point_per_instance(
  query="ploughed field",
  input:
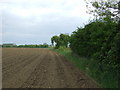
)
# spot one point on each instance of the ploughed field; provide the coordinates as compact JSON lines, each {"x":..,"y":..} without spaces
{"x":40,"y":68}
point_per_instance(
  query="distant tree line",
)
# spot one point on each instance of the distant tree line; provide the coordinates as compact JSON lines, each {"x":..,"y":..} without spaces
{"x":8,"y":45}
{"x":45,"y":45}
{"x":35,"y":46}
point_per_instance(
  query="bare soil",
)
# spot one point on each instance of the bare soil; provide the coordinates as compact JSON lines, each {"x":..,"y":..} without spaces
{"x":40,"y":68}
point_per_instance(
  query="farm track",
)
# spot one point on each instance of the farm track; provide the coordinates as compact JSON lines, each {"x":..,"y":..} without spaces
{"x":40,"y":68}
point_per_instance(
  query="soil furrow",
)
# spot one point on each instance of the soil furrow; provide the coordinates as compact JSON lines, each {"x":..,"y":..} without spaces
{"x":41,"y":68}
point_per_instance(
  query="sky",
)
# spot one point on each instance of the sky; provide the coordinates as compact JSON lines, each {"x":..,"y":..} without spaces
{"x":36,"y":21}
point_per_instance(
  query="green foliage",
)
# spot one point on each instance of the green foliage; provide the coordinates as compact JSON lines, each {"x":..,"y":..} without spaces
{"x":61,"y":40}
{"x":34,"y":46}
{"x":90,"y":67}
{"x":104,"y":8}
{"x":99,"y":40}
{"x":8,"y":45}
{"x":56,"y":39}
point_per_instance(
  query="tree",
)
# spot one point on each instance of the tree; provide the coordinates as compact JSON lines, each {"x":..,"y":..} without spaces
{"x":55,"y":39}
{"x":104,"y":9}
{"x":61,"y":40}
{"x":64,"y":40}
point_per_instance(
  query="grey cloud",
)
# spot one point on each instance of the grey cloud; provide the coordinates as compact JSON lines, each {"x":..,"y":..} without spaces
{"x":40,"y":28}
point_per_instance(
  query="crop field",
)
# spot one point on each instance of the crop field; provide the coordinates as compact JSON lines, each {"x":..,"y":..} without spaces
{"x":40,"y":68}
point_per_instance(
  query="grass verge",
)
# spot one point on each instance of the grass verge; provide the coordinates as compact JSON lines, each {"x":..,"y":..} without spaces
{"x":105,"y":79}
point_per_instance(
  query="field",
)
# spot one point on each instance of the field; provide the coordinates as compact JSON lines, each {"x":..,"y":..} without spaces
{"x":40,"y":68}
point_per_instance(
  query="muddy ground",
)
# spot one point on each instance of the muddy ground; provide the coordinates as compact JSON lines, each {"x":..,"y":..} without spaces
{"x":40,"y":68}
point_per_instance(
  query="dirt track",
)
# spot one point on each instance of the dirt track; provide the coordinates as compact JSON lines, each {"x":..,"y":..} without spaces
{"x":40,"y":68}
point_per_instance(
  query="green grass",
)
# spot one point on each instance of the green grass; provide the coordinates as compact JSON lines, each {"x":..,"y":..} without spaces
{"x":88,"y":66}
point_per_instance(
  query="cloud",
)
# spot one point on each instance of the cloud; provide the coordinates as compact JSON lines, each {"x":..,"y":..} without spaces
{"x":35,"y":21}
{"x":41,"y":7}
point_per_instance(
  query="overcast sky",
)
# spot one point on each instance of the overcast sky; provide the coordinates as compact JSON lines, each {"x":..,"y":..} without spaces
{"x":36,"y":21}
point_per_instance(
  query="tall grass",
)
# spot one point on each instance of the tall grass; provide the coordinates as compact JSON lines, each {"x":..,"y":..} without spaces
{"x":90,"y":67}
